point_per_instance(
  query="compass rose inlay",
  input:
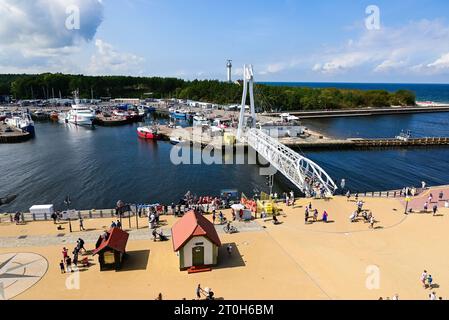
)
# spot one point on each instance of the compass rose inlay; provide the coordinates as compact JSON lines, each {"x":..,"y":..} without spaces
{"x":19,"y":272}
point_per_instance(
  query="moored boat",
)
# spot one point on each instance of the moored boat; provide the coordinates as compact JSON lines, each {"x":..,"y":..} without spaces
{"x":80,"y":114}
{"x":22,"y":122}
{"x":151,"y":133}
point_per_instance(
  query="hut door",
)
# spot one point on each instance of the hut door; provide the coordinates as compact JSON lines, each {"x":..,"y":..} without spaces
{"x":198,"y":256}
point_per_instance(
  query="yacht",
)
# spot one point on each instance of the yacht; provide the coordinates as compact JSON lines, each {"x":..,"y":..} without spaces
{"x":80,"y":114}
{"x":21,"y":121}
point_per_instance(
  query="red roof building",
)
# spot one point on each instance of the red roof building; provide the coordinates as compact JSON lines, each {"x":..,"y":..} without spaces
{"x":111,"y":249}
{"x":196,"y":241}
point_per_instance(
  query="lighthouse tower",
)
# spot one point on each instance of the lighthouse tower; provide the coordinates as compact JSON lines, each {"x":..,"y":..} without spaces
{"x":229,"y":68}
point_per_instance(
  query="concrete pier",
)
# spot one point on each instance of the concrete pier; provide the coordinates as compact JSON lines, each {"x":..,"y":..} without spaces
{"x":13,"y":136}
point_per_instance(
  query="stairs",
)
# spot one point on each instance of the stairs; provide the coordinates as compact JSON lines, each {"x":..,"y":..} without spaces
{"x":198,"y":269}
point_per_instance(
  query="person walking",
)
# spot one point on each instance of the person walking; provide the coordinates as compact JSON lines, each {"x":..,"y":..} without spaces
{"x":68,"y":263}
{"x":229,"y":249}
{"x":119,"y":224}
{"x":306,"y":216}
{"x":75,"y":257}
{"x":325,"y":216}
{"x":81,"y":245}
{"x":435,"y":210}
{"x":424,"y":278}
{"x":198,"y":292}
{"x":54,"y":216}
{"x":62,"y":266}
{"x":430,"y":281}
{"x":81,"y":221}
{"x":214,"y":216}
{"x":371,"y":222}
{"x":64,"y":253}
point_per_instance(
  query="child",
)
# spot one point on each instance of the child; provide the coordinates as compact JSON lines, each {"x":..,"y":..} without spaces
{"x":429,"y":281}
{"x":62,"y":266}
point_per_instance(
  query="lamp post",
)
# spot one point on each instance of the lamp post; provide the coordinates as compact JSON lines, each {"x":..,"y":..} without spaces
{"x":67,"y":202}
{"x":137,"y":217}
{"x":270,"y":182}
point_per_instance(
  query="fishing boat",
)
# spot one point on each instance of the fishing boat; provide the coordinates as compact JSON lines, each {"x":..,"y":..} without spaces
{"x":179,"y":114}
{"x":150,"y":133}
{"x":54,"y":116}
{"x":8,"y":199}
{"x":80,"y":114}
{"x":21,"y":121}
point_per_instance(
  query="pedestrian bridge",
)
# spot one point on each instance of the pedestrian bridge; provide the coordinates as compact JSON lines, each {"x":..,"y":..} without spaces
{"x":302,"y":172}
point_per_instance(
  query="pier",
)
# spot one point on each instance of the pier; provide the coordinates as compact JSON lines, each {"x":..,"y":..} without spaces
{"x":363,"y":112}
{"x":308,"y":141}
{"x":10,"y":135}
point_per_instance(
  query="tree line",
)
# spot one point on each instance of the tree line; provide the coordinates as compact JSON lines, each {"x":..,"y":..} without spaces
{"x":268,"y":98}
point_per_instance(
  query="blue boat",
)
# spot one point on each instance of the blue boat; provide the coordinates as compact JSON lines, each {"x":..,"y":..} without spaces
{"x":179,"y":114}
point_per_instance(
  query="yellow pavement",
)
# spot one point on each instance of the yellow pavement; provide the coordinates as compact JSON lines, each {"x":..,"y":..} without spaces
{"x":293,"y":260}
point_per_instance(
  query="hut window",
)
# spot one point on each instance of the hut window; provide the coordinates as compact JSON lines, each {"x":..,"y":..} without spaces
{"x":199,"y":243}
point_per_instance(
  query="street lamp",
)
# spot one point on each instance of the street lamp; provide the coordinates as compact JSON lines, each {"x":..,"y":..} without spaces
{"x":67,"y":202}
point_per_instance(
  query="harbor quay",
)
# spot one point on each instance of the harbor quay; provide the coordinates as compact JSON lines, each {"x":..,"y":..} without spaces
{"x":299,"y":257}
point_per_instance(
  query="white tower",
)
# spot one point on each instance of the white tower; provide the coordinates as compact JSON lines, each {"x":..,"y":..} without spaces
{"x":229,"y":67}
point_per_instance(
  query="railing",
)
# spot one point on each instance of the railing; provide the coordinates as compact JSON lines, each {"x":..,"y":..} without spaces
{"x":302,"y":172}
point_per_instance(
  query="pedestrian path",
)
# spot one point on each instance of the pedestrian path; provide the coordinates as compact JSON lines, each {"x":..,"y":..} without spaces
{"x":92,"y":236}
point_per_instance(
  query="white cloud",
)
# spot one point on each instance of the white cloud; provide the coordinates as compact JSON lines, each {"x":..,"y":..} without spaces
{"x":107,"y":60}
{"x":404,"y":50}
{"x":389,"y":65}
{"x":34,"y":36}
{"x":440,"y":63}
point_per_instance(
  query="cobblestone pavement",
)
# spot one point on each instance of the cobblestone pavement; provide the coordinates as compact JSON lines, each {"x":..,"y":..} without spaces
{"x":92,"y":236}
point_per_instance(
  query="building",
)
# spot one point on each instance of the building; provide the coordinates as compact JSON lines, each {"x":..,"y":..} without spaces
{"x":196,"y":241}
{"x":132,"y":101}
{"x":111,"y":250}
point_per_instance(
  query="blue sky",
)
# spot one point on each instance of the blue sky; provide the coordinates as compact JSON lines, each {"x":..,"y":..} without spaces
{"x":285,"y":40}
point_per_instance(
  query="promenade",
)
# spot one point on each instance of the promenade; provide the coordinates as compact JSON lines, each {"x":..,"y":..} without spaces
{"x":292,"y":260}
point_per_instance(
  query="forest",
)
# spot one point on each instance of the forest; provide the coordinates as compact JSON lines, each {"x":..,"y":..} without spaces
{"x":268,"y":97}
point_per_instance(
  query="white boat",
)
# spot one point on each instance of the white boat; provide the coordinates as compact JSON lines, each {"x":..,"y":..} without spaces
{"x":200,"y":121}
{"x":80,"y":114}
{"x":22,"y":122}
{"x":176,"y":140}
{"x":404,"y":136}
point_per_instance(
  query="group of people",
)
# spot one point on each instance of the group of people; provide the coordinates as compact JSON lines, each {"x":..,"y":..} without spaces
{"x":426,"y":280}
{"x":367,"y":215}
{"x":67,"y":262}
{"x":313,"y":213}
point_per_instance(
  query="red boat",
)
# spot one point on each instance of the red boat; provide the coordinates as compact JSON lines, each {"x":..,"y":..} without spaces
{"x":148,"y":133}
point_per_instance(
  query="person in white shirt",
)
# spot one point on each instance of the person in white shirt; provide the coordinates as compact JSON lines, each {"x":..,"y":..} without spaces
{"x":432,"y":296}
{"x":424,"y":278}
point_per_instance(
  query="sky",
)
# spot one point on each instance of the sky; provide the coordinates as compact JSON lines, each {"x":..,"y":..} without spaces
{"x":285,"y":40}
